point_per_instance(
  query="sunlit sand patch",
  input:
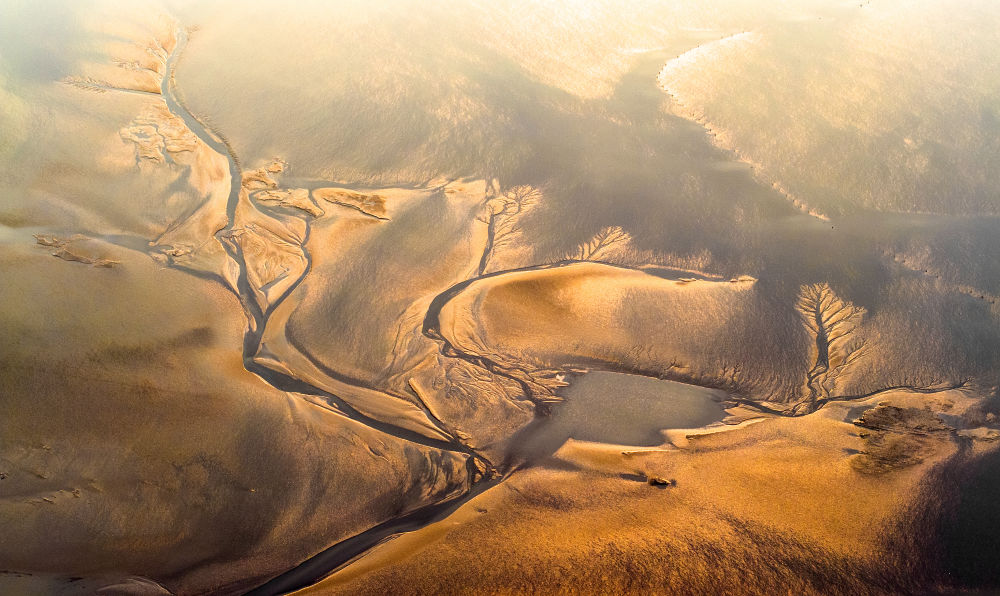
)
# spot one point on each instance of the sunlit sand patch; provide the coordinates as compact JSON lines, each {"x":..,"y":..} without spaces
{"x":577,"y":312}
{"x":682,"y":437}
{"x":781,"y":475}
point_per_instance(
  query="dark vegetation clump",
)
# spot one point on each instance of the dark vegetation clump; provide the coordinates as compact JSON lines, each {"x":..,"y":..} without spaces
{"x":896,"y":438}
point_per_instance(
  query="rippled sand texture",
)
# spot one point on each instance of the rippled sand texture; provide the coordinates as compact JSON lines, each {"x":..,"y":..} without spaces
{"x":498,"y":298}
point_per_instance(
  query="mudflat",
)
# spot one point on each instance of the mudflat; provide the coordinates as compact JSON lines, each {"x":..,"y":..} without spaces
{"x":499,"y":298}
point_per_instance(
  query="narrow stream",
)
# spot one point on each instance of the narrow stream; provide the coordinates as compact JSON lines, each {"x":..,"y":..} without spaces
{"x":194,"y":125}
{"x":480,"y":471}
{"x":655,"y":404}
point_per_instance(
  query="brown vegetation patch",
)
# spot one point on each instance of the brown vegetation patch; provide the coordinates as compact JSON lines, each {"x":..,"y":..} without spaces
{"x":897,"y":438}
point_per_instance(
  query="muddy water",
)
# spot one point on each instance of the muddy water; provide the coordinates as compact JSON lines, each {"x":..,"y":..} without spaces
{"x":620,"y":409}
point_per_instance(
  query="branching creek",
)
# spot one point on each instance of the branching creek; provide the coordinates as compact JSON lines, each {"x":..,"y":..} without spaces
{"x":482,"y":474}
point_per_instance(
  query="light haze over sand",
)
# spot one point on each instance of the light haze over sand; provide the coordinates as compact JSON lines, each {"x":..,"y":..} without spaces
{"x":686,"y":297}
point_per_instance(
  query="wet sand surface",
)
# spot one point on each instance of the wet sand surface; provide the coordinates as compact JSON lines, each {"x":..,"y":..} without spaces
{"x":575,"y":298}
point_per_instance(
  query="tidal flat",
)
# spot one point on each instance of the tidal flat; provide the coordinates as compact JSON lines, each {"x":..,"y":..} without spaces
{"x":499,"y":297}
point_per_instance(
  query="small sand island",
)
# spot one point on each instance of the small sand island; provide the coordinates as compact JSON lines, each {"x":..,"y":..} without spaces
{"x":557,"y":298}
